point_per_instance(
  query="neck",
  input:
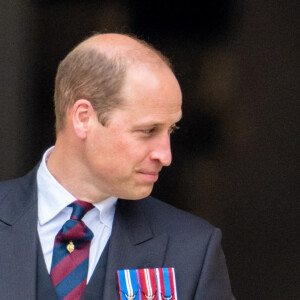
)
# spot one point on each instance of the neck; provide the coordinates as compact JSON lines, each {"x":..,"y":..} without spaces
{"x":66,"y":167}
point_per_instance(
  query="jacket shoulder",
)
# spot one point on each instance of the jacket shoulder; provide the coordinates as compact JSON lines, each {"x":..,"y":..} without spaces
{"x":17,"y":196}
{"x":17,"y":184}
{"x":173,"y":215}
{"x":165,"y":218}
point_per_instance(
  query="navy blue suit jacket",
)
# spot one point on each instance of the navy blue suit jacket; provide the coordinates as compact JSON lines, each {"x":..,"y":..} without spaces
{"x":146,"y":234}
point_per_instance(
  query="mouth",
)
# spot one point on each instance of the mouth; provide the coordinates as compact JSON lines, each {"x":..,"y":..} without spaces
{"x":149,"y":176}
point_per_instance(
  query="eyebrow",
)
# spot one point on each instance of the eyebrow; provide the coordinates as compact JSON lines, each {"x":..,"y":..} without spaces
{"x":149,"y":123}
{"x":156,"y":124}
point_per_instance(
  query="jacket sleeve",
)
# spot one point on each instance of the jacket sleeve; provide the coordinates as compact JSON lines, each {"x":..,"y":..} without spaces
{"x":214,"y":283}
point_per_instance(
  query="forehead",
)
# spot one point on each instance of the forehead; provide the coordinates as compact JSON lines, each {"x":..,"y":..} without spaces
{"x":151,"y":89}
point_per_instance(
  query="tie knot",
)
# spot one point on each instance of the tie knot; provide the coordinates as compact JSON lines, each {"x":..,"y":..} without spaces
{"x":80,"y":208}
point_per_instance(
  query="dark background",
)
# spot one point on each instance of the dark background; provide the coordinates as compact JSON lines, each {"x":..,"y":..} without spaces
{"x":235,"y":157}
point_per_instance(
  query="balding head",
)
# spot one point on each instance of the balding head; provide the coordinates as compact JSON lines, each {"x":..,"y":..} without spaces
{"x":95,"y":70}
{"x":132,"y":49}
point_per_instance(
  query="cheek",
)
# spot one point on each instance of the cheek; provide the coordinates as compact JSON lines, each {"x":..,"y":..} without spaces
{"x":122,"y":144}
{"x":116,"y":150}
{"x":120,"y":152}
{"x":130,"y":153}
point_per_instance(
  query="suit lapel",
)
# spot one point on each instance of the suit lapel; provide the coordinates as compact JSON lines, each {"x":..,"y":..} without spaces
{"x":18,"y":235}
{"x":132,"y":245}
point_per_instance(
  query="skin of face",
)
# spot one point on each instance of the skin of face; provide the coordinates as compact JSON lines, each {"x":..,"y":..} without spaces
{"x":124,"y":157}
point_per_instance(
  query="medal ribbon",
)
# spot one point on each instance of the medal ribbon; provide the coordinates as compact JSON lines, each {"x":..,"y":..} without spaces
{"x":166,"y":283}
{"x":128,"y":284}
{"x":148,"y":284}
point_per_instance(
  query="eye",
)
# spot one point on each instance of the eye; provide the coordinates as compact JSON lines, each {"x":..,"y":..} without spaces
{"x":148,"y":131}
{"x":173,"y":129}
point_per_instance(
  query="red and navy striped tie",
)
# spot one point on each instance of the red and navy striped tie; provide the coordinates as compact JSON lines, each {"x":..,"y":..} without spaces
{"x":71,"y":254}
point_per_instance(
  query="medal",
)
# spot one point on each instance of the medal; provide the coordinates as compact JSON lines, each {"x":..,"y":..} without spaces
{"x":128,"y":285}
{"x":147,"y":284}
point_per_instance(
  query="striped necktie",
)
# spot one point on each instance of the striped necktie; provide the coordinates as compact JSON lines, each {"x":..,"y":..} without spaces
{"x":71,"y":254}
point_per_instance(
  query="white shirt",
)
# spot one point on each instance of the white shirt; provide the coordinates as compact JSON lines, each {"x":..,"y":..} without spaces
{"x":53,"y":212}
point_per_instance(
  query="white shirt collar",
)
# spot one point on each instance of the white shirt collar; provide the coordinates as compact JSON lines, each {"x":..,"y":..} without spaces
{"x":53,"y":197}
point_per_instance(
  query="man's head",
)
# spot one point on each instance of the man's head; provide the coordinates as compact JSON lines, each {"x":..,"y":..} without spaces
{"x":122,"y":102}
{"x":95,"y":70}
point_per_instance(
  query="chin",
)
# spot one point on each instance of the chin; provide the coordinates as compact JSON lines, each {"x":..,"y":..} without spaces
{"x":139,"y":194}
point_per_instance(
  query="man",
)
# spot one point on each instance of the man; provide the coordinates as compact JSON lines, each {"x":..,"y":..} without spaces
{"x":116,"y":103}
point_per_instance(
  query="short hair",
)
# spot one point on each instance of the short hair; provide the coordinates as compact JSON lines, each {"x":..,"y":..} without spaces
{"x":86,"y":73}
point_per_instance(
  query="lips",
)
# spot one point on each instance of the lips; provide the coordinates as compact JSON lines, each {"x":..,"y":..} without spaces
{"x":151,"y":176}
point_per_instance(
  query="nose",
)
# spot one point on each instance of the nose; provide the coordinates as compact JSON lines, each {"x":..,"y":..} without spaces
{"x":162,"y":151}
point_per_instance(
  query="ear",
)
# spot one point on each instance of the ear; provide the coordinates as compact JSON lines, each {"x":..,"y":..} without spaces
{"x":82,"y":114}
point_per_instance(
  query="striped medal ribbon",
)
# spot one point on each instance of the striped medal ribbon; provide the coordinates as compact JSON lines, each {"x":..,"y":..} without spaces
{"x":147,"y":279}
{"x":147,"y":284}
{"x":128,"y":285}
{"x":166,"y":283}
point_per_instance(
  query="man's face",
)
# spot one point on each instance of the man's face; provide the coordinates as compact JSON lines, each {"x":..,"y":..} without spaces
{"x":124,"y":157}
